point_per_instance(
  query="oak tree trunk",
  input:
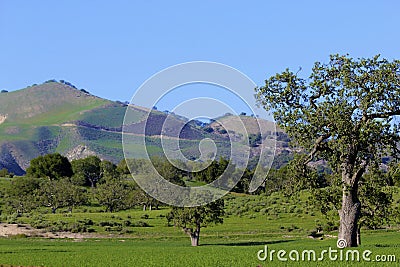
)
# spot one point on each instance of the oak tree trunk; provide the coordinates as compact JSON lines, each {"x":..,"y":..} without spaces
{"x":349,"y":215}
{"x":194,"y":237}
{"x":194,"y":234}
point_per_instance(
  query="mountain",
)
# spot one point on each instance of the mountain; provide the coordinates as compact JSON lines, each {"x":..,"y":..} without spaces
{"x":57,"y":117}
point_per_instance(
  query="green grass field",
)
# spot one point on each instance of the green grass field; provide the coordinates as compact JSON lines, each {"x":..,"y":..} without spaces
{"x":216,"y":250}
{"x":251,"y":222}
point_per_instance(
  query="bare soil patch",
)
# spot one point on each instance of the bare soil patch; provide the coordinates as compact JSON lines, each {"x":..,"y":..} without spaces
{"x":2,"y":118}
{"x":10,"y":230}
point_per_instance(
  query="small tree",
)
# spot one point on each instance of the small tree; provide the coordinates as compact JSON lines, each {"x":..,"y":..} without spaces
{"x":122,"y":168}
{"x":88,"y":170}
{"x":213,"y":171}
{"x":61,"y":193}
{"x":167,"y":170}
{"x":21,"y":194}
{"x":145,"y":200}
{"x":109,"y":169}
{"x":343,"y":113}
{"x":191,"y":219}
{"x":3,"y":172}
{"x":50,"y":166}
{"x":114,"y":194}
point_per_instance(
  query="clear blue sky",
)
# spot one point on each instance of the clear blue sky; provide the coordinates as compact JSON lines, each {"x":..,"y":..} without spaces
{"x":111,"y":47}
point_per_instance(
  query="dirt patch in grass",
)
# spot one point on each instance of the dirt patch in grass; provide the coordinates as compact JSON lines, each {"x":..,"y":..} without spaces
{"x":21,"y":230}
{"x":2,"y":118}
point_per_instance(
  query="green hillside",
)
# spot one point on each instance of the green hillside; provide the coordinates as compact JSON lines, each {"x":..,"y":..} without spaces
{"x":46,"y":104}
{"x":40,"y":119}
{"x":57,"y":117}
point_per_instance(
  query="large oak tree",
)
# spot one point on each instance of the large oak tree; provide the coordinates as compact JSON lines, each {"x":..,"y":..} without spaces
{"x":344,"y":112}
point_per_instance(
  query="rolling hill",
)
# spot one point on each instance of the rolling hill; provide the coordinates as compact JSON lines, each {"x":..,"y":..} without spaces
{"x":57,"y":117}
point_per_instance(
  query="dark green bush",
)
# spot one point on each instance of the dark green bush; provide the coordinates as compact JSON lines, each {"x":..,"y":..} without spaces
{"x":141,"y":224}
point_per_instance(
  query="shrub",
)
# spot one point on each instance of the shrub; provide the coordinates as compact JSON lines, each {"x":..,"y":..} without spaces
{"x":109,"y":223}
{"x":315,"y":234}
{"x":113,"y":228}
{"x":3,"y":172}
{"x":127,"y":223}
{"x":141,"y":224}
{"x":126,"y":231}
{"x":106,"y":223}
{"x":13,"y":218}
{"x":330,"y":226}
{"x":86,"y":221}
{"x":222,"y":131}
{"x":62,"y":226}
{"x":252,"y":216}
{"x":78,"y":228}
{"x":18,"y":236}
{"x":209,"y":129}
{"x":58,"y":226}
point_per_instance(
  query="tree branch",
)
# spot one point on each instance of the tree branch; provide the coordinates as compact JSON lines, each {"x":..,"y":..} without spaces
{"x":382,"y":115}
{"x":188,"y":231}
{"x":359,"y":173}
{"x":317,"y":147}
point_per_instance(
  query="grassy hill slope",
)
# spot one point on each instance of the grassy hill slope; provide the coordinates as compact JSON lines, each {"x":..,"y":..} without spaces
{"x":48,"y":103}
{"x":56,"y":117}
{"x":33,"y":121}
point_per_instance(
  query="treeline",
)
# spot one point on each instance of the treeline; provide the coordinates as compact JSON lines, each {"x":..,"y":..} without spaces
{"x":54,"y":182}
{"x":66,"y":83}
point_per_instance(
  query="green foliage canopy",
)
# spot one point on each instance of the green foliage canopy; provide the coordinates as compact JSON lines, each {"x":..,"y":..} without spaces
{"x":87,"y":169}
{"x":51,"y":166}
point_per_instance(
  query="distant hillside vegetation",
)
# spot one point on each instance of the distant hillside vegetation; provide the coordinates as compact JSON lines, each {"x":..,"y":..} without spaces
{"x":58,"y":117}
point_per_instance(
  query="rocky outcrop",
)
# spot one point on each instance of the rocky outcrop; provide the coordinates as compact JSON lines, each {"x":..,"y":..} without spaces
{"x":78,"y":152}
